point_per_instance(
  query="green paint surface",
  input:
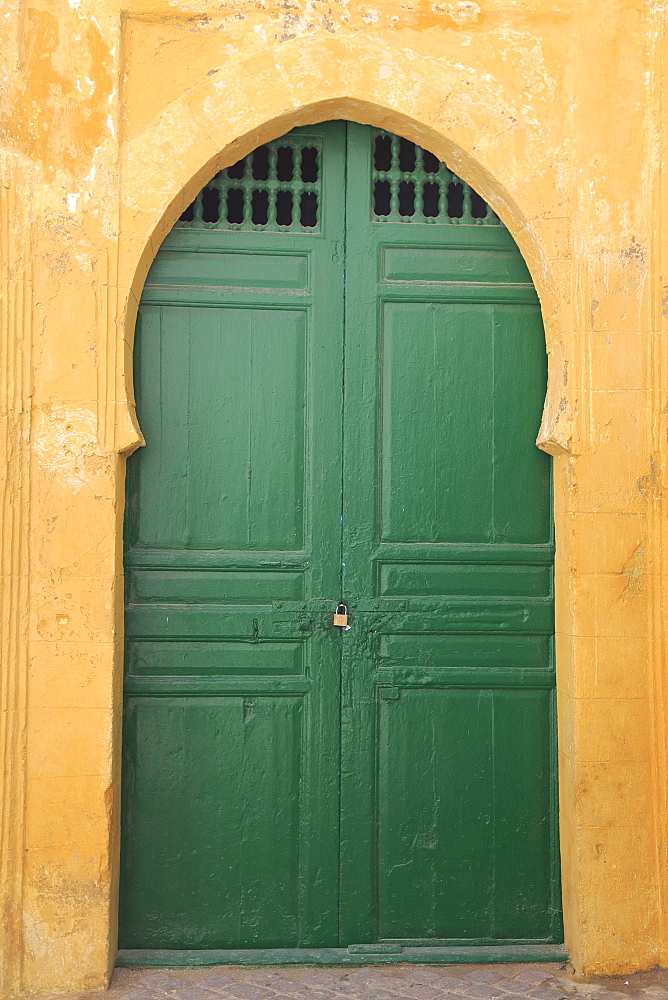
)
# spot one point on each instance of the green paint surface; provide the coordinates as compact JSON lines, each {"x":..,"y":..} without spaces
{"x":346,"y":411}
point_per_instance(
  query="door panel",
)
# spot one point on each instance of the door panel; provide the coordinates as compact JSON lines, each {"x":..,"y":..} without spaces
{"x":231,"y":441}
{"x":340,"y":368}
{"x":447,"y":684}
{"x":219,"y":781}
{"x":454,"y":454}
{"x":231,"y":748}
{"x":460,"y":855}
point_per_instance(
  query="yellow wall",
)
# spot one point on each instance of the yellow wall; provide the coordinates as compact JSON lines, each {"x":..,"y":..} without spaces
{"x":113,"y":118}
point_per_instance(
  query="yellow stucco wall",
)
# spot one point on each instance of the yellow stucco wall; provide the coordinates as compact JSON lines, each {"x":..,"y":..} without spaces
{"x":112,"y":119}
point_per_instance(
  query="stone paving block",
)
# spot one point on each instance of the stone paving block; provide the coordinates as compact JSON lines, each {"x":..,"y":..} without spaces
{"x":163,"y":982}
{"x":520,"y":996}
{"x":536,"y":976}
{"x":656,"y":992}
{"x":544,"y":994}
{"x":481,"y":992}
{"x":375,"y":994}
{"x":360,"y":978}
{"x":140,"y":994}
{"x":484,"y":976}
{"x":246,"y":991}
{"x":217,"y":980}
{"x":420,"y":992}
{"x":391,"y":982}
{"x":511,"y":986}
{"x":194,"y":992}
{"x":424,"y":976}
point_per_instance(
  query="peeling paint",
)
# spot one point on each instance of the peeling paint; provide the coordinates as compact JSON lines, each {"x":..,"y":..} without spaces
{"x":634,"y":571}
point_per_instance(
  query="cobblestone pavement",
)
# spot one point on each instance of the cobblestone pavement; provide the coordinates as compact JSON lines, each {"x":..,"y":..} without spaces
{"x":398,"y":982}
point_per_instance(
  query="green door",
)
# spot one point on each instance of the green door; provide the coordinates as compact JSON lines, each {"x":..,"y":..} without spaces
{"x":340,"y":368}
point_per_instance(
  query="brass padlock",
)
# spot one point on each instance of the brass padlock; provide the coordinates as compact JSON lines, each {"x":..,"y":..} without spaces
{"x":341,"y":615}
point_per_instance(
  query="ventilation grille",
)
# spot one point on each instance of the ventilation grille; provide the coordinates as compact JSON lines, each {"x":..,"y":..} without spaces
{"x":275,"y":188}
{"x":411,"y":185}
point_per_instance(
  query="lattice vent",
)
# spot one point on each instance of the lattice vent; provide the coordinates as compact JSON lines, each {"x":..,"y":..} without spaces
{"x":275,"y":188}
{"x":410,"y":185}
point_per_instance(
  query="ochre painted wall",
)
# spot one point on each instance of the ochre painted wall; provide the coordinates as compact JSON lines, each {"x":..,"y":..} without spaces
{"x":112,"y":119}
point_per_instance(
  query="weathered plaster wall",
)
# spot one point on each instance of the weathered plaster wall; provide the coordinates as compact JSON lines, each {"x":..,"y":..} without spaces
{"x":112,"y":119}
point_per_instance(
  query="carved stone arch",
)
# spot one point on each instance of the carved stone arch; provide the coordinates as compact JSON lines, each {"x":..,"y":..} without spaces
{"x":470,"y":123}
{"x":193,"y":153}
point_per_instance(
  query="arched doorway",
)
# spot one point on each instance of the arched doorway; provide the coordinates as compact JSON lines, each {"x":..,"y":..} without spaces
{"x":340,"y":369}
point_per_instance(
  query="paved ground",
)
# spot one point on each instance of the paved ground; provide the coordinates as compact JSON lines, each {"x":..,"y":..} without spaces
{"x":397,"y":982}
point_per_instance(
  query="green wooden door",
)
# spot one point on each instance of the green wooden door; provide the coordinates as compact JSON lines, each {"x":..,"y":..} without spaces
{"x":340,"y":367}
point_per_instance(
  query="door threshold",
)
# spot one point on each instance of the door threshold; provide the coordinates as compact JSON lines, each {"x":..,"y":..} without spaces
{"x":380,"y":954}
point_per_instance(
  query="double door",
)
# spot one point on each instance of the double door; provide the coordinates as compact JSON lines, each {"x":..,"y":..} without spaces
{"x":340,"y":368}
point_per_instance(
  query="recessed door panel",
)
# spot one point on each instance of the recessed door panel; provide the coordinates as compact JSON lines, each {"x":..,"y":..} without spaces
{"x":458,"y":383}
{"x":220,"y":782}
{"x":437,"y":422}
{"x":461,"y":854}
{"x":231,"y":441}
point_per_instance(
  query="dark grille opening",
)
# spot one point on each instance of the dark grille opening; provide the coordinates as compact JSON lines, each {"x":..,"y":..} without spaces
{"x":430,"y":196}
{"x":309,"y":165}
{"x":285,"y":167}
{"x":406,"y":156}
{"x":236,"y":172}
{"x":235,"y":206}
{"x":210,"y":205}
{"x":261,"y":163}
{"x":407,"y":199}
{"x":308,"y":215}
{"x":455,"y":200}
{"x":189,"y":213}
{"x":284,"y":208}
{"x":381,"y":198}
{"x":430,"y":162}
{"x":478,"y":206}
{"x":260,"y":208}
{"x":382,"y":157}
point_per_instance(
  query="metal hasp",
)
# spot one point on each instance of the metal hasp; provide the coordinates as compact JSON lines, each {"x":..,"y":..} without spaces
{"x":342,"y":402}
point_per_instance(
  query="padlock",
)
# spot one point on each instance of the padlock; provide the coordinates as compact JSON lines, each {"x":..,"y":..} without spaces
{"x":341,"y":615}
